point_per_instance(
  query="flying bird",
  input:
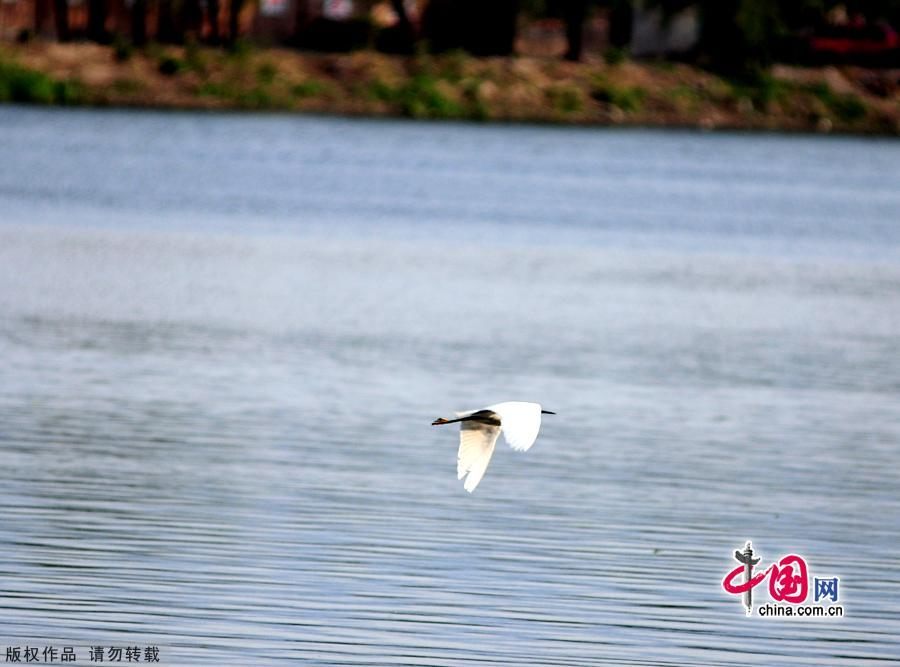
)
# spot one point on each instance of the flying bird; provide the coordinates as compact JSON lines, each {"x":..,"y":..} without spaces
{"x":519,"y":421}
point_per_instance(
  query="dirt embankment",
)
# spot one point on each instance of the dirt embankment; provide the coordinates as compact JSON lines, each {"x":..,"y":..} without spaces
{"x":453,"y":86}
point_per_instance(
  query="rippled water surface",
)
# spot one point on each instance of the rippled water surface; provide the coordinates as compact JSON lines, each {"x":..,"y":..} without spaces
{"x":223,"y":339}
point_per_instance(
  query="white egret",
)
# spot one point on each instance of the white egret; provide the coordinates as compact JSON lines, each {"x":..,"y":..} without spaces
{"x":519,"y":421}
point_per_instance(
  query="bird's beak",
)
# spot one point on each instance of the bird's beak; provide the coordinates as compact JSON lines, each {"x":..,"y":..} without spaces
{"x":547,"y":412}
{"x":439,"y":420}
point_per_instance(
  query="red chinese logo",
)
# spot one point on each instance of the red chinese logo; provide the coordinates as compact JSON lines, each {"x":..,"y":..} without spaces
{"x":788,"y":580}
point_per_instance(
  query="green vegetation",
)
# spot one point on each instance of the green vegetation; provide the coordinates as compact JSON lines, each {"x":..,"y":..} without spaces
{"x":629,"y":99}
{"x":615,"y":55}
{"x":240,"y":49}
{"x":218,"y":90}
{"x":566,"y":98}
{"x":125,"y":86}
{"x":69,"y":92}
{"x":19,"y":84}
{"x":762,"y":90}
{"x":123,"y":49}
{"x":309,"y":88}
{"x":452,"y":65}
{"x":422,"y":96}
{"x":255,"y":98}
{"x":477,"y":107}
{"x":170,"y":65}
{"x":266,"y":72}
{"x":848,"y":108}
{"x":448,"y":86}
{"x":684,"y":93}
{"x":194,"y":58}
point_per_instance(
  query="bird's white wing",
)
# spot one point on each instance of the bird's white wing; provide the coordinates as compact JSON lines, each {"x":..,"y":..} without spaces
{"x":520,"y":423}
{"x":476,"y":446}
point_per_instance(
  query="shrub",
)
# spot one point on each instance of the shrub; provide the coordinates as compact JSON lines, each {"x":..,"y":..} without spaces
{"x":566,"y":99}
{"x":126,"y":86}
{"x":628,"y":99}
{"x":615,"y":56}
{"x":420,"y":97}
{"x":847,"y":107}
{"x":122,"y":49}
{"x":170,"y":66}
{"x":266,"y":72}
{"x":240,"y":49}
{"x":212,"y":89}
{"x":256,"y":98}
{"x":69,"y":92}
{"x":308,"y":88}
{"x":193,"y":56}
{"x":18,"y":84}
{"x":761,"y":89}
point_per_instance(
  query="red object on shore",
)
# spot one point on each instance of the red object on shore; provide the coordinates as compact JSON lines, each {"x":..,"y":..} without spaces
{"x":850,"y":40}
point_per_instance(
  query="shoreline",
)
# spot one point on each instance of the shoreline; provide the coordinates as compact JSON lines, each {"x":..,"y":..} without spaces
{"x":454,"y":86}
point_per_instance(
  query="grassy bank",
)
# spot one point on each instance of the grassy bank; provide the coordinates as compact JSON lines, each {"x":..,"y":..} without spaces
{"x":451,"y":86}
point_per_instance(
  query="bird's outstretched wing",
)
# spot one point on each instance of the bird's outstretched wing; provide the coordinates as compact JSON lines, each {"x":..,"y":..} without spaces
{"x":476,"y":446}
{"x":521,"y":423}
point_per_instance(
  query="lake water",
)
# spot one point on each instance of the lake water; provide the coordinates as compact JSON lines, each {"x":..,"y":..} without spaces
{"x":224,"y":337}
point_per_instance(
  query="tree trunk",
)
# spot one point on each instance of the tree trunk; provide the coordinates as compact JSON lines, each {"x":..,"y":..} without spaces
{"x":400,"y":37}
{"x":212,"y":9}
{"x":191,"y":19}
{"x":166,"y":30}
{"x":399,"y":8}
{"x":234,"y":24}
{"x":493,"y":31}
{"x":481,"y":28}
{"x":722,"y":41}
{"x":139,"y":22}
{"x":96,"y":25}
{"x":620,"y":22}
{"x":61,"y":14}
{"x":43,"y":16}
{"x":574,"y":12}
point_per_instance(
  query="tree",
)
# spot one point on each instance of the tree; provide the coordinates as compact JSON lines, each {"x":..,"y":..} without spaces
{"x":166,"y":27}
{"x":743,"y":37}
{"x":481,"y":28}
{"x":621,"y":15}
{"x":404,"y":37}
{"x":234,"y":15}
{"x":96,"y":24}
{"x":399,"y":8}
{"x":400,"y":37}
{"x":191,"y":19}
{"x":139,"y":22}
{"x":494,"y":28}
{"x":873,"y":10}
{"x":574,"y":13}
{"x":212,"y":15}
{"x":43,"y":17}
{"x":61,"y":16}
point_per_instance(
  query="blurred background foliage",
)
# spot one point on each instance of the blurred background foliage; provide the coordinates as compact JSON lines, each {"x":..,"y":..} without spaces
{"x":738,"y":37}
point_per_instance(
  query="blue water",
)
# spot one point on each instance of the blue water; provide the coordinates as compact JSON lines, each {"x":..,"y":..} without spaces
{"x":224,"y":337}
